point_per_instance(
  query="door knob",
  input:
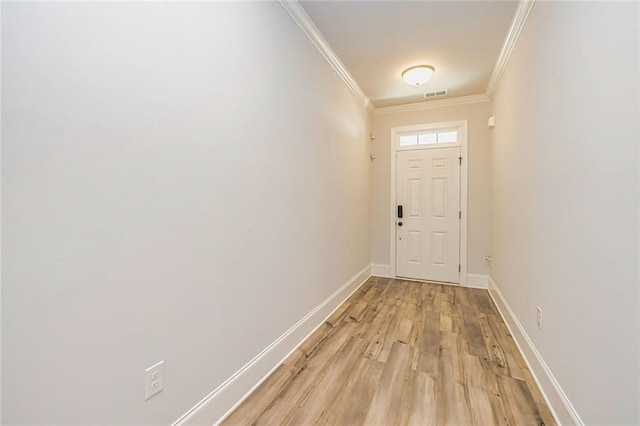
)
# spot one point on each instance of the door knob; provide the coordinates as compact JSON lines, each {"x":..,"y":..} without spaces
{"x":399,"y":223}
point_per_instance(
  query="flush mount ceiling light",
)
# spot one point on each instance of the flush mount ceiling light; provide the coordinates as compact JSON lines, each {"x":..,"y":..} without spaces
{"x":415,"y":76}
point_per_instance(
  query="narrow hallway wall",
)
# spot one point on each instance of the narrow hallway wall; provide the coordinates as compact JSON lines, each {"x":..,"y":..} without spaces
{"x":565,"y":196}
{"x":181,"y":182}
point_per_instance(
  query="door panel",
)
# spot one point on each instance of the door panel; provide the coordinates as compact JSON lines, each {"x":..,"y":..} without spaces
{"x":439,"y":197}
{"x":415,"y":195}
{"x":428,"y":188}
{"x":414,"y":239}
{"x":438,"y":247}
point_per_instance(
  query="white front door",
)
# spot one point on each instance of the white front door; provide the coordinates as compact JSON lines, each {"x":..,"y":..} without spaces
{"x":428,"y":233}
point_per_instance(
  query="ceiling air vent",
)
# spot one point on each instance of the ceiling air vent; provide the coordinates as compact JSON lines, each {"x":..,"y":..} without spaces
{"x":435,"y":94}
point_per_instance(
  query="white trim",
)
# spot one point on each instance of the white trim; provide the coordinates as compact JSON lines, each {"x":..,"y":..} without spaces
{"x":302,"y":19}
{"x":297,"y":12}
{"x":380,"y":270}
{"x":517,"y":24}
{"x":415,"y":280}
{"x":445,"y":125}
{"x":477,"y":281}
{"x":464,"y":142}
{"x":216,"y":406}
{"x":558,"y":402}
{"x":441,"y":103}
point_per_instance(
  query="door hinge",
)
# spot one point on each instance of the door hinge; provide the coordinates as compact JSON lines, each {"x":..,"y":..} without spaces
{"x":460,"y":158}
{"x":459,"y":268}
{"x":460,"y":214}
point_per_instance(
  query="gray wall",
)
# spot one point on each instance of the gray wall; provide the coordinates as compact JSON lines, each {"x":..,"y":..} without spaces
{"x":565,"y":198}
{"x":181,"y":181}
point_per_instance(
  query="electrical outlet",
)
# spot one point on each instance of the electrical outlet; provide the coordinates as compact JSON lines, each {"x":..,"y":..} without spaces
{"x":154,"y":380}
{"x":539,"y":317}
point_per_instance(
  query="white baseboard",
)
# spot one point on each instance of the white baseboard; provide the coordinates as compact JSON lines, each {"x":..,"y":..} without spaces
{"x":380,"y":270}
{"x":558,"y":402}
{"x":477,"y":281}
{"x":473,"y":280}
{"x":225,"y":398}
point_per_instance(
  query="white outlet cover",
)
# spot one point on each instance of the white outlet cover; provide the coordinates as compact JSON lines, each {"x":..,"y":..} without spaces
{"x":153,"y":380}
{"x":539,"y":317}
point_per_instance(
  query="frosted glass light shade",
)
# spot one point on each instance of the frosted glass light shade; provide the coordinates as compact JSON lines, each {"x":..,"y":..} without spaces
{"x":415,"y":76}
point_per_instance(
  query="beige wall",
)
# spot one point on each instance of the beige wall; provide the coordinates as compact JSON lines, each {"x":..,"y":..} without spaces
{"x":479,"y":178}
{"x":180,"y":182}
{"x":565,"y":196}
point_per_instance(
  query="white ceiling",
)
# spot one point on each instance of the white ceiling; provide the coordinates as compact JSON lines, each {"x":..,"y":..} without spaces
{"x":377,"y":40}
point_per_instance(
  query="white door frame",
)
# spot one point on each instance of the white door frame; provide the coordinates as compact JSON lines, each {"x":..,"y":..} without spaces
{"x":462,"y":126}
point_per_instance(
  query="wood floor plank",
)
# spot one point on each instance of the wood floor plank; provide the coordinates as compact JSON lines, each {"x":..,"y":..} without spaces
{"x":332,"y":383}
{"x":497,"y":358}
{"x":514,"y":369}
{"x":386,"y":406}
{"x":501,"y":334}
{"x":372,"y":316}
{"x":316,"y":365}
{"x":310,"y":345}
{"x":484,"y":393}
{"x":339,"y":314}
{"x":405,"y":331}
{"x":375,"y":293}
{"x":415,"y":358}
{"x":391,"y":335}
{"x":382,"y":287}
{"x":520,"y":407}
{"x":482,"y":301}
{"x":296,"y":359}
{"x":453,"y":403}
{"x":419,"y":400}
{"x":357,"y":311}
{"x":543,"y":408}
{"x":535,"y":391}
{"x":472,"y":332}
{"x":382,"y":323}
{"x":428,"y":295}
{"x":447,"y":294}
{"x":280,"y":412}
{"x":512,"y":358}
{"x":402,"y":352}
{"x":364,"y":288}
{"x":394,"y":293}
{"x":449,"y":309}
{"x":428,"y":343}
{"x":262,"y":398}
{"x":413,"y":292}
{"x":462,"y":297}
{"x":446,"y":323}
{"x":372,"y":293}
{"x":353,"y":405}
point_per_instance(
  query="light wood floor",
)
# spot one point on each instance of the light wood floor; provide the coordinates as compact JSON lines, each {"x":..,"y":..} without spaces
{"x":403,"y":353}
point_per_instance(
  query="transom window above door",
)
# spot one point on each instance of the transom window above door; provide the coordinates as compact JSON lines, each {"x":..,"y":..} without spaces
{"x":429,"y":138}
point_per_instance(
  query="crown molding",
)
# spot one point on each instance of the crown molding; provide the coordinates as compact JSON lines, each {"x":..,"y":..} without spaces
{"x":441,"y":103}
{"x":517,"y":24}
{"x":297,"y":13}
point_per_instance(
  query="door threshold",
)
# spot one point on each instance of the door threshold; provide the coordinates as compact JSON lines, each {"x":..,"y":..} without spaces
{"x":427,"y":281}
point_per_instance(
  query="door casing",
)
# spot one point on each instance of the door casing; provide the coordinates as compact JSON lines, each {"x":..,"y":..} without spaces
{"x":462,"y":126}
